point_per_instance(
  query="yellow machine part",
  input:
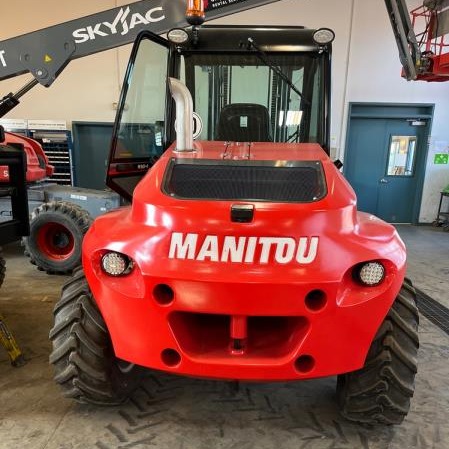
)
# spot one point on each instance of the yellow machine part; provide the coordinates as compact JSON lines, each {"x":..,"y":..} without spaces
{"x":9,"y":343}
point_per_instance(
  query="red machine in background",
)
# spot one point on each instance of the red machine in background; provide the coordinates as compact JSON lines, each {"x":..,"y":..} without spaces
{"x":422,"y":36}
{"x":38,"y":166}
{"x":431,"y":24}
{"x":60,"y":214}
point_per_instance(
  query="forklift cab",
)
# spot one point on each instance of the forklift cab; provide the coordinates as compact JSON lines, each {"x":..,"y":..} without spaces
{"x":264,"y":84}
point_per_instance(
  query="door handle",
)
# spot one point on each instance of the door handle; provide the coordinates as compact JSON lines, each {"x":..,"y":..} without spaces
{"x":383,"y":181}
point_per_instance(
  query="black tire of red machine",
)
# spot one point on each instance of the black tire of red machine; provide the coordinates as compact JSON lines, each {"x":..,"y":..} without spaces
{"x":84,"y":362}
{"x":57,"y":230}
{"x":381,"y":391}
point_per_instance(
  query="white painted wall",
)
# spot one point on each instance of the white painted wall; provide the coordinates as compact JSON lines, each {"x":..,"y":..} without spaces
{"x":366,"y":68}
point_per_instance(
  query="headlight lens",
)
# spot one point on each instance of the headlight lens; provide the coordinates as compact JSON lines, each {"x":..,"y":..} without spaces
{"x":116,"y":264}
{"x":370,"y":273}
{"x":177,"y":36}
{"x":323,"y":36}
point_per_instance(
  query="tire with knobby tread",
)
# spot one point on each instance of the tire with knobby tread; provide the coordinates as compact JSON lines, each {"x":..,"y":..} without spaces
{"x":51,"y":221}
{"x":83,"y":359}
{"x":2,"y":267}
{"x":381,"y":391}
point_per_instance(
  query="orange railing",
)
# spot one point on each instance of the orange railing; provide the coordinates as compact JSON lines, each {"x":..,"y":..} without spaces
{"x":431,"y":26}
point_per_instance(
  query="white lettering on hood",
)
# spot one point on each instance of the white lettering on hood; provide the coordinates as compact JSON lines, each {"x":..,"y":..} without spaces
{"x":262,"y":250}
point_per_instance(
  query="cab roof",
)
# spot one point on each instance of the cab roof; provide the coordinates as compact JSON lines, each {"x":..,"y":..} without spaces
{"x":269,"y":38}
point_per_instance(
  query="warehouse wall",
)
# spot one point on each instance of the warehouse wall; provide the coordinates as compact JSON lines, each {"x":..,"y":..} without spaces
{"x":366,"y":68}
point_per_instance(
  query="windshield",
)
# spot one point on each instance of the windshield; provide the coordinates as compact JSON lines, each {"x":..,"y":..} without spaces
{"x":239,"y":97}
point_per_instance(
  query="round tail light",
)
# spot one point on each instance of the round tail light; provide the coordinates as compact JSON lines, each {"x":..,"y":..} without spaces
{"x":116,"y":264}
{"x":370,"y":273}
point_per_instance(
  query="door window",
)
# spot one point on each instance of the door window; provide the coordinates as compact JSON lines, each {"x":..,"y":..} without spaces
{"x":401,"y":157}
{"x":142,"y":120}
{"x":138,"y":138}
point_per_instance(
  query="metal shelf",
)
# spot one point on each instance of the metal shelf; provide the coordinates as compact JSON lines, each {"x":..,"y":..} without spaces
{"x":58,"y":148}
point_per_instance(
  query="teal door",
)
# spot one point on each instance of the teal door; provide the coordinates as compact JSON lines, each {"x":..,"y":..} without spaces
{"x":91,"y":144}
{"x":385,"y":163}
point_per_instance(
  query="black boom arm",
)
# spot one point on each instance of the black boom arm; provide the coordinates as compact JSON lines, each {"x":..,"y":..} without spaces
{"x":45,"y":53}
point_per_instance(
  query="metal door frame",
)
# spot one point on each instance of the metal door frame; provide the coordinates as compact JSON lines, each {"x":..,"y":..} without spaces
{"x":413,"y":111}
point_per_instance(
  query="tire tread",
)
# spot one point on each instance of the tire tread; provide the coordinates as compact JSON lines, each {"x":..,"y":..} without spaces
{"x":82,"y":356}
{"x":381,"y":391}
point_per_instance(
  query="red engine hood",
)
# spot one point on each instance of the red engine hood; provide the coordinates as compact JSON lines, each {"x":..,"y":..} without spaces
{"x":149,"y":193}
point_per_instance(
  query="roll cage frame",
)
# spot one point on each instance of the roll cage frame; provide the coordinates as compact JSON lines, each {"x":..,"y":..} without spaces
{"x":124,"y":174}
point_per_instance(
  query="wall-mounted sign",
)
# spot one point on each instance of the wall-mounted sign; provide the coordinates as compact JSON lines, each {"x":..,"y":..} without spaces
{"x":441,"y":159}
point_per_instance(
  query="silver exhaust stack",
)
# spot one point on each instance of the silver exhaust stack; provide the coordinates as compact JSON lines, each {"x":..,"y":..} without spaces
{"x":184,"y":115}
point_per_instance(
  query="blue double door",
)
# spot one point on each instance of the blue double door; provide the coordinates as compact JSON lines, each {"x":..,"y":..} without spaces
{"x":385,"y":162}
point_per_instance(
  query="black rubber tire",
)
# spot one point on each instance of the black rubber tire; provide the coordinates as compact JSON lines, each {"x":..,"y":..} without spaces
{"x":62,"y":243}
{"x":83,"y":359}
{"x":2,"y":267}
{"x":380,"y":392}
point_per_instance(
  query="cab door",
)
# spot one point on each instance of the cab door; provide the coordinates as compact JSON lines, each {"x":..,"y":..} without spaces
{"x":139,"y":136}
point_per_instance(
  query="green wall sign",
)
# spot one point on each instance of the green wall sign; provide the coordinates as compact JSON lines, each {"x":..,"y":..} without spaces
{"x":441,"y":159}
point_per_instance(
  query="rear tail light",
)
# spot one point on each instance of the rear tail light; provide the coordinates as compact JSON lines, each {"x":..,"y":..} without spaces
{"x":370,"y":273}
{"x":116,"y":264}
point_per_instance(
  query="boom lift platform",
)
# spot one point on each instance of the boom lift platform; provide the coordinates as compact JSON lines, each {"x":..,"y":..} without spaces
{"x":422,"y":38}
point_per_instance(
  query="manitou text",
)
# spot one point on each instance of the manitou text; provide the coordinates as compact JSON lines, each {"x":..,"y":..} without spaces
{"x":263,"y":250}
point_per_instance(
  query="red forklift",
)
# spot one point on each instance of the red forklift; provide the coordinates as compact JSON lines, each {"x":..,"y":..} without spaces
{"x":242,"y":255}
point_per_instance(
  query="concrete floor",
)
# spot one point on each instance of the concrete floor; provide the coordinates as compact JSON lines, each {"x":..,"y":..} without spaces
{"x":177,"y":413}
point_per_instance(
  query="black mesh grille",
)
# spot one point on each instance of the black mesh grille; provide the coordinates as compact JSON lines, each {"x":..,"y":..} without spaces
{"x":259,"y":181}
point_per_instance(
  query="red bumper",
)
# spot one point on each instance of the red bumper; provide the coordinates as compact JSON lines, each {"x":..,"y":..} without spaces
{"x":246,"y":327}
